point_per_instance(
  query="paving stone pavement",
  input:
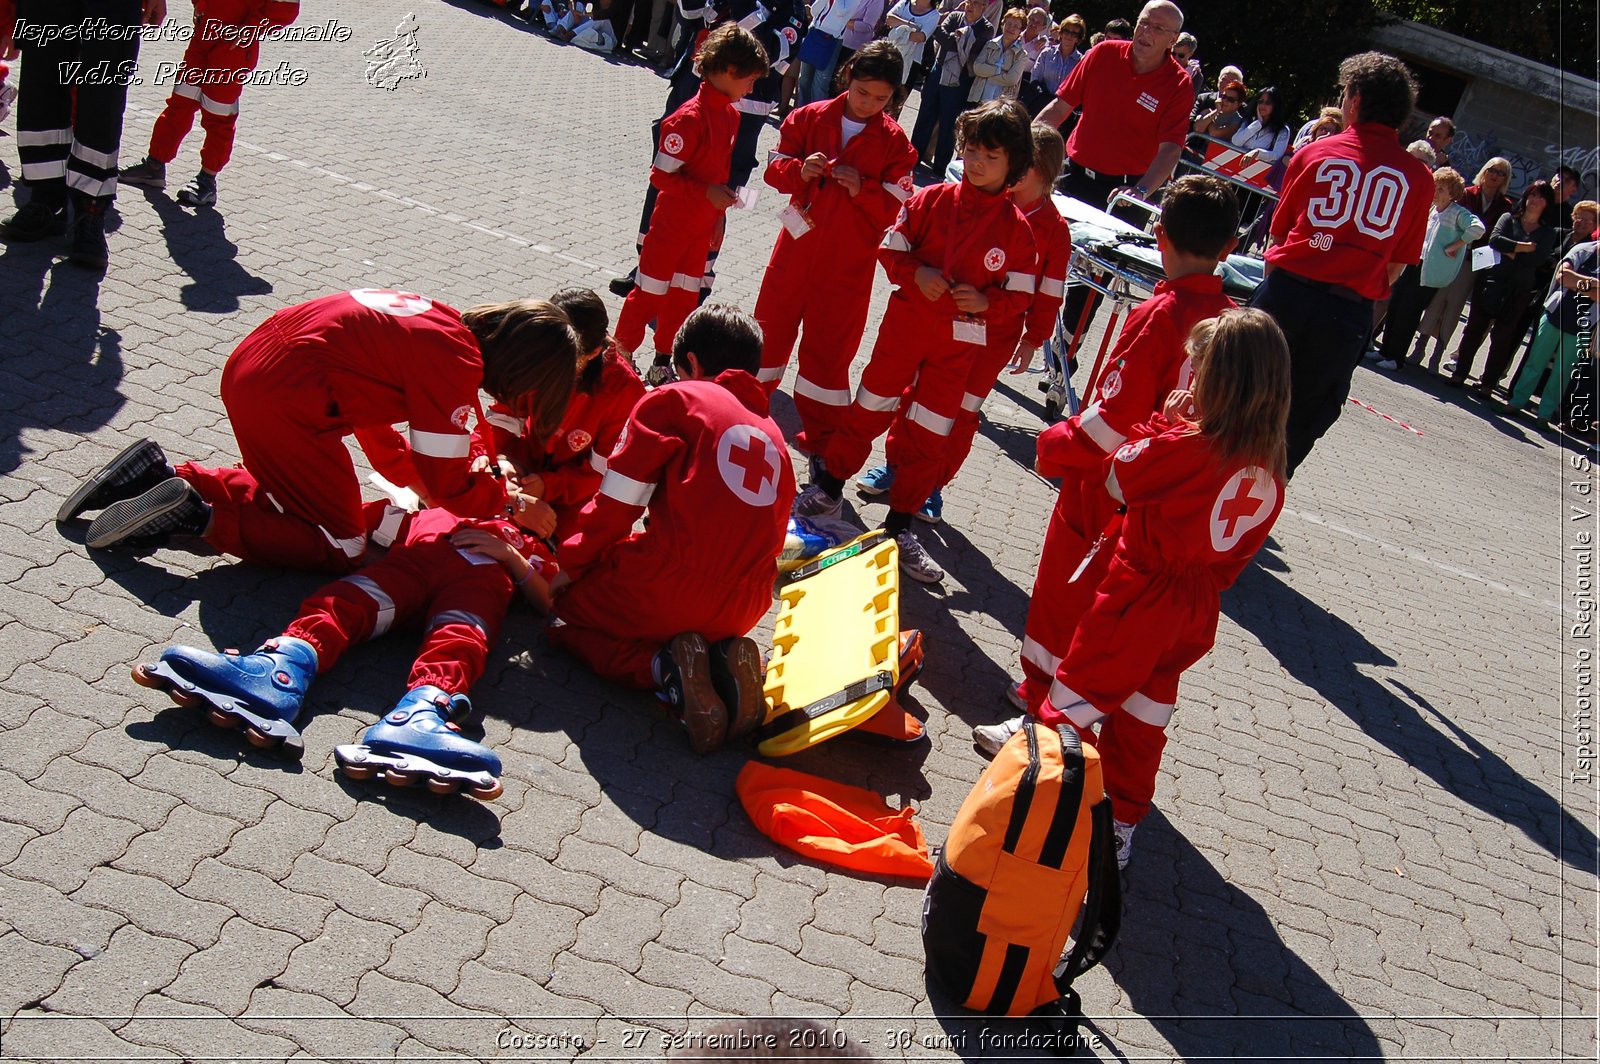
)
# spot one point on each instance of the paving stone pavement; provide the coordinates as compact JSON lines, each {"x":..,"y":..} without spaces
{"x":1368,"y":843}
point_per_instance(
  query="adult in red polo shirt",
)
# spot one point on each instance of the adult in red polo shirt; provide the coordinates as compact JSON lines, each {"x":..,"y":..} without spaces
{"x":1136,"y":100}
{"x":1352,"y":216}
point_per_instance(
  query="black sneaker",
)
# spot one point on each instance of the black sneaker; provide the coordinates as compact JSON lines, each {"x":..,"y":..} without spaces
{"x":199,"y":192}
{"x":740,"y":681}
{"x":151,"y":173}
{"x":89,"y":237}
{"x":621,"y":286}
{"x":140,"y":467}
{"x":683,"y":670}
{"x":171,"y":508}
{"x":35,"y":221}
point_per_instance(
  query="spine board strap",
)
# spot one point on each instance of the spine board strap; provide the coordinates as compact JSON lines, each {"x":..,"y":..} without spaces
{"x":795,"y":718}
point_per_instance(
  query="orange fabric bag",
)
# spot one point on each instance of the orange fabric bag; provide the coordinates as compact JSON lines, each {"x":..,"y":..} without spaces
{"x":833,"y":822}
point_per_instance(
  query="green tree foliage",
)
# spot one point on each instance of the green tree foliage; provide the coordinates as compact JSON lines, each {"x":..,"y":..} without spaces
{"x":1547,"y":31}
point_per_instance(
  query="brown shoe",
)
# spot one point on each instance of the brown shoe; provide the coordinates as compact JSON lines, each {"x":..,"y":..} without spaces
{"x":740,"y":680}
{"x":684,"y":666}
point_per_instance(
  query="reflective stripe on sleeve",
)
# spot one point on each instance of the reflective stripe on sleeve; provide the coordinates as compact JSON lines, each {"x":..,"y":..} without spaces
{"x":1053,"y":287}
{"x":768,"y":374}
{"x":626,"y":490}
{"x":505,"y":422}
{"x":972,"y":402}
{"x":893,"y":188}
{"x":389,"y":526}
{"x":669,"y":164}
{"x":441,"y":444}
{"x":895,"y":240}
{"x":1095,"y":426}
{"x":1019,"y":282}
{"x":597,"y":462}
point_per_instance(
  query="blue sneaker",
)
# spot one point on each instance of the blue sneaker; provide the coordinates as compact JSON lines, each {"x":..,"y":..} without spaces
{"x":415,"y":742}
{"x":876,"y":480}
{"x":933,"y":510}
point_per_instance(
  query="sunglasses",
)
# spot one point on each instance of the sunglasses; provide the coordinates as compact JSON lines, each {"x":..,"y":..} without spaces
{"x":1234,"y":99}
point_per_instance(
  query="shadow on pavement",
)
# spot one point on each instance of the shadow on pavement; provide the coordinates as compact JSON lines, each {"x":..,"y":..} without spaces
{"x":198,"y":242}
{"x":1323,"y":652}
{"x":62,"y":370}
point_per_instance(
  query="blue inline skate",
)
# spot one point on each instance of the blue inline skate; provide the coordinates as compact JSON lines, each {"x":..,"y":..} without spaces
{"x":417,"y":741}
{"x":261,"y":692}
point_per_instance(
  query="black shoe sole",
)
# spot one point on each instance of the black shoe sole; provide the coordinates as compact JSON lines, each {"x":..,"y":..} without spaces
{"x":57,"y":227}
{"x":146,"y":453}
{"x":126,"y":519}
{"x":741,"y":681}
{"x":705,"y":715}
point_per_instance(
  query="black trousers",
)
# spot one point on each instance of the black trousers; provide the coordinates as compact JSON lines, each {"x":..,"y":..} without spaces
{"x":1327,"y":334}
{"x":65,"y":145}
{"x":1408,"y":299}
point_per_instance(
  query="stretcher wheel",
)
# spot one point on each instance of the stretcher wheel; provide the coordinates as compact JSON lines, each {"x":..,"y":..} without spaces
{"x":358,"y":772}
{"x":396,"y":778}
{"x":438,"y":786}
{"x":216,"y":716}
{"x":260,"y":739}
{"x":487,"y":794}
{"x":145,"y":678}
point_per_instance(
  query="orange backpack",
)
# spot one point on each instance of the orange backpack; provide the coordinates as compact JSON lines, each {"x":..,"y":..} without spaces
{"x":1030,"y":853}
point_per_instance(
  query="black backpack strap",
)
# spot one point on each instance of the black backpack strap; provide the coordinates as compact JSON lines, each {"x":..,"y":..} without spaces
{"x":795,"y":718}
{"x":1102,"y":905}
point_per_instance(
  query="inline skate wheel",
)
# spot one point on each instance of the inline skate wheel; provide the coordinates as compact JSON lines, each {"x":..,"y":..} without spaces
{"x":438,"y":786}
{"x":487,"y":794}
{"x":358,"y":772}
{"x":216,"y":716}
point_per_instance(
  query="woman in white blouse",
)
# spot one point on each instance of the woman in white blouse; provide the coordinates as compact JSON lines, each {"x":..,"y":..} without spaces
{"x":1267,"y":136}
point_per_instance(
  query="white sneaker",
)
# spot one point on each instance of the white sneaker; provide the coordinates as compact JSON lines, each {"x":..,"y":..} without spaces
{"x":915,"y":561}
{"x":1389,"y":364}
{"x":814,"y":502}
{"x":1015,"y":697}
{"x":1124,"y":836}
{"x":1450,"y":367}
{"x":991,"y":737}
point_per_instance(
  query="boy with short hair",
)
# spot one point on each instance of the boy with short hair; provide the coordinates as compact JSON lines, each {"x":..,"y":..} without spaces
{"x":691,"y":172}
{"x":1196,"y":231}
{"x":962,"y":260}
{"x":669,"y":607}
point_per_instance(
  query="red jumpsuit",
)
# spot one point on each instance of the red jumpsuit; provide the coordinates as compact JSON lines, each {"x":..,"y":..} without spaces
{"x":572,"y":461}
{"x":822,"y":278}
{"x":463,"y":596}
{"x":711,"y":467}
{"x":1192,"y":526}
{"x":1052,"y":238}
{"x":355,"y":362}
{"x":972,"y":237}
{"x":1148,"y":361}
{"x":696,"y":151}
{"x":209,"y":81}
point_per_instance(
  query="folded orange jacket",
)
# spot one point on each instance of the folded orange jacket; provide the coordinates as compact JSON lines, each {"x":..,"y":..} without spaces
{"x":833,"y":822}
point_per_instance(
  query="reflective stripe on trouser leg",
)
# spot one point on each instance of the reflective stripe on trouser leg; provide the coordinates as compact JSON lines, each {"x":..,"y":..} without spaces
{"x":1073,"y":706}
{"x":384,"y":619}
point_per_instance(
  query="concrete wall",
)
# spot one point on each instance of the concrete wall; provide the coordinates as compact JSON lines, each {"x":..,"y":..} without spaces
{"x":1533,"y":114}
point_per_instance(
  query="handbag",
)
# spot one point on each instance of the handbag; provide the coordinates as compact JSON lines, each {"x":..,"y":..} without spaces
{"x":819,"y":50}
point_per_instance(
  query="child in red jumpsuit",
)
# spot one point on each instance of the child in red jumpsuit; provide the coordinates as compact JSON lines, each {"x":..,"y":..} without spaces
{"x":846,"y":168}
{"x":457,"y":575}
{"x":962,"y":260}
{"x":224,"y":49}
{"x":669,"y":607}
{"x":1201,"y":485}
{"x":691,"y":173}
{"x":1052,"y":239}
{"x":1199,"y":217}
{"x":562,"y":470}
{"x":352,"y":363}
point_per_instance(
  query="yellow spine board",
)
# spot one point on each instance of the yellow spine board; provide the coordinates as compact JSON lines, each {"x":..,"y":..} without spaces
{"x":835,"y":628}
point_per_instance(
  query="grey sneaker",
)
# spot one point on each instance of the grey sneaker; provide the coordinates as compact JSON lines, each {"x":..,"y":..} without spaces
{"x":915,"y":561}
{"x":660,"y":373}
{"x":1015,"y":696}
{"x":1124,"y":836}
{"x":199,"y":192}
{"x":152,"y":173}
{"x":991,"y":737}
{"x":171,"y":508}
{"x":814,"y":502}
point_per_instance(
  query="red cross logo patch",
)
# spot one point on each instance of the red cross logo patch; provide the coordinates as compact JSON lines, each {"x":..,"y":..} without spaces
{"x":789,"y":34}
{"x":1111,"y":385}
{"x":672,"y":144}
{"x":994,"y":260}
{"x":578,"y":440}
{"x":748,"y":463}
{"x":511,"y":536}
{"x":906,"y":183}
{"x":1248,"y":499}
{"x":459,"y":416}
{"x":390,"y":301}
{"x":1129,"y":451}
